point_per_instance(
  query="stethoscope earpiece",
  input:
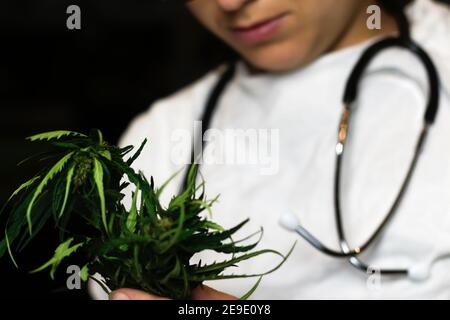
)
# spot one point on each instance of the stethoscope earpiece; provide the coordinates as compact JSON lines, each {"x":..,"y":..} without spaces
{"x":422,"y":271}
{"x":419,"y":272}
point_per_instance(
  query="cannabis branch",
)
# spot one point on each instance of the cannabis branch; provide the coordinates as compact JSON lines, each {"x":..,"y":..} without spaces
{"x":148,"y":246}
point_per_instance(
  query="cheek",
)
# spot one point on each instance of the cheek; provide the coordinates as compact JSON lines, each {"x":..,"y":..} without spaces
{"x":207,"y":13}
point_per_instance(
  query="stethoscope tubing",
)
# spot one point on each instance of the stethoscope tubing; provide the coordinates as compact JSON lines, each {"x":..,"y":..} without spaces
{"x":349,"y":97}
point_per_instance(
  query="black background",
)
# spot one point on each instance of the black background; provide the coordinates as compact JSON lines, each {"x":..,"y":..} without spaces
{"x":127,"y":54}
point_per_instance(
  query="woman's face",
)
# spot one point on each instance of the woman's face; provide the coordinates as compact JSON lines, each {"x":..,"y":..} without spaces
{"x":281,"y":35}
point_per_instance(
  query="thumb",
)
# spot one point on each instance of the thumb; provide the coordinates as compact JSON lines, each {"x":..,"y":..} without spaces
{"x":203,"y":292}
{"x":132,"y":294}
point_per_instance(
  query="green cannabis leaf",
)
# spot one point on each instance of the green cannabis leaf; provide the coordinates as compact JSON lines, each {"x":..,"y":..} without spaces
{"x":54,"y":135}
{"x":64,"y":250}
{"x":148,"y":247}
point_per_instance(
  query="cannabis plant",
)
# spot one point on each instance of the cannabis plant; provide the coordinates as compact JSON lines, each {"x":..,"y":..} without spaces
{"x":148,"y":246}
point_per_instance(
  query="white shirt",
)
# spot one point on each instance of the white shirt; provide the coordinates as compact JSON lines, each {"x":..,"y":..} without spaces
{"x":305,"y":107}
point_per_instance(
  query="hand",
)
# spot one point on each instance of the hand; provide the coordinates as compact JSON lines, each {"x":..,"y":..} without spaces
{"x":202,"y":292}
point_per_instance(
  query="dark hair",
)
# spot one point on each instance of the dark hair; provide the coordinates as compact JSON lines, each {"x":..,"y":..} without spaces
{"x":396,"y":9}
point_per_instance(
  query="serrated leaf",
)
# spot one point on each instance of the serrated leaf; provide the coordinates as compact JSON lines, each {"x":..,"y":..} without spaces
{"x":9,"y":250}
{"x":227,"y":263}
{"x":98,"y":179}
{"x":54,"y":135}
{"x":62,"y":251}
{"x":23,"y":186}
{"x":131,"y":160}
{"x":67,"y":190}
{"x":51,"y":173}
{"x":132,"y":216}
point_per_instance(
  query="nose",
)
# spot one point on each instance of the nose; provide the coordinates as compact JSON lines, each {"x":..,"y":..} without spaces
{"x":232,"y":5}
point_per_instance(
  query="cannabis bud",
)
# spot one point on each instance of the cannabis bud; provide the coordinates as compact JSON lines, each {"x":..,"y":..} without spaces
{"x":148,"y":246}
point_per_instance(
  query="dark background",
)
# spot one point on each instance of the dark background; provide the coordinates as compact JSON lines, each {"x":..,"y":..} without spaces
{"x":127,"y":54}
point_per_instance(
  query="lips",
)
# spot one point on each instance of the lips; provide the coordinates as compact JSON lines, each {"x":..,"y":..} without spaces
{"x":260,"y":31}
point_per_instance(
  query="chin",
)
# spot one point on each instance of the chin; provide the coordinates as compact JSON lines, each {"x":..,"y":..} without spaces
{"x":278,"y":58}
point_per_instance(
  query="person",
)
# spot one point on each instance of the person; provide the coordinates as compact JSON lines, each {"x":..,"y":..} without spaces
{"x":295,"y":58}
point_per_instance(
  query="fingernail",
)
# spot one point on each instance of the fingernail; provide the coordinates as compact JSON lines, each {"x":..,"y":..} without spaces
{"x":118,"y":296}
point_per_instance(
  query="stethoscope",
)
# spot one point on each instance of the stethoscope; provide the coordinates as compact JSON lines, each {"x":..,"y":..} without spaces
{"x":288,"y":220}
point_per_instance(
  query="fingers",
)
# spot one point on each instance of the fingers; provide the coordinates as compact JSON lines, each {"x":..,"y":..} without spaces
{"x":132,"y":294}
{"x":203,"y":292}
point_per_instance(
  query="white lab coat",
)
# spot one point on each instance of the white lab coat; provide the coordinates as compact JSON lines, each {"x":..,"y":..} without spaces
{"x":305,"y":106}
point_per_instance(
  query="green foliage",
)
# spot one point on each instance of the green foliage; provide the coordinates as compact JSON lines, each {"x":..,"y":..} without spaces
{"x":98,"y":178}
{"x":148,"y":246}
{"x":9,"y":250}
{"x":62,"y":251}
{"x":40,"y":188}
{"x":23,"y":186}
{"x":54,"y":135}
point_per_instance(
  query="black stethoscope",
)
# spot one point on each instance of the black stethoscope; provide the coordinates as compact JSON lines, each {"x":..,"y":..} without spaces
{"x":288,"y":220}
